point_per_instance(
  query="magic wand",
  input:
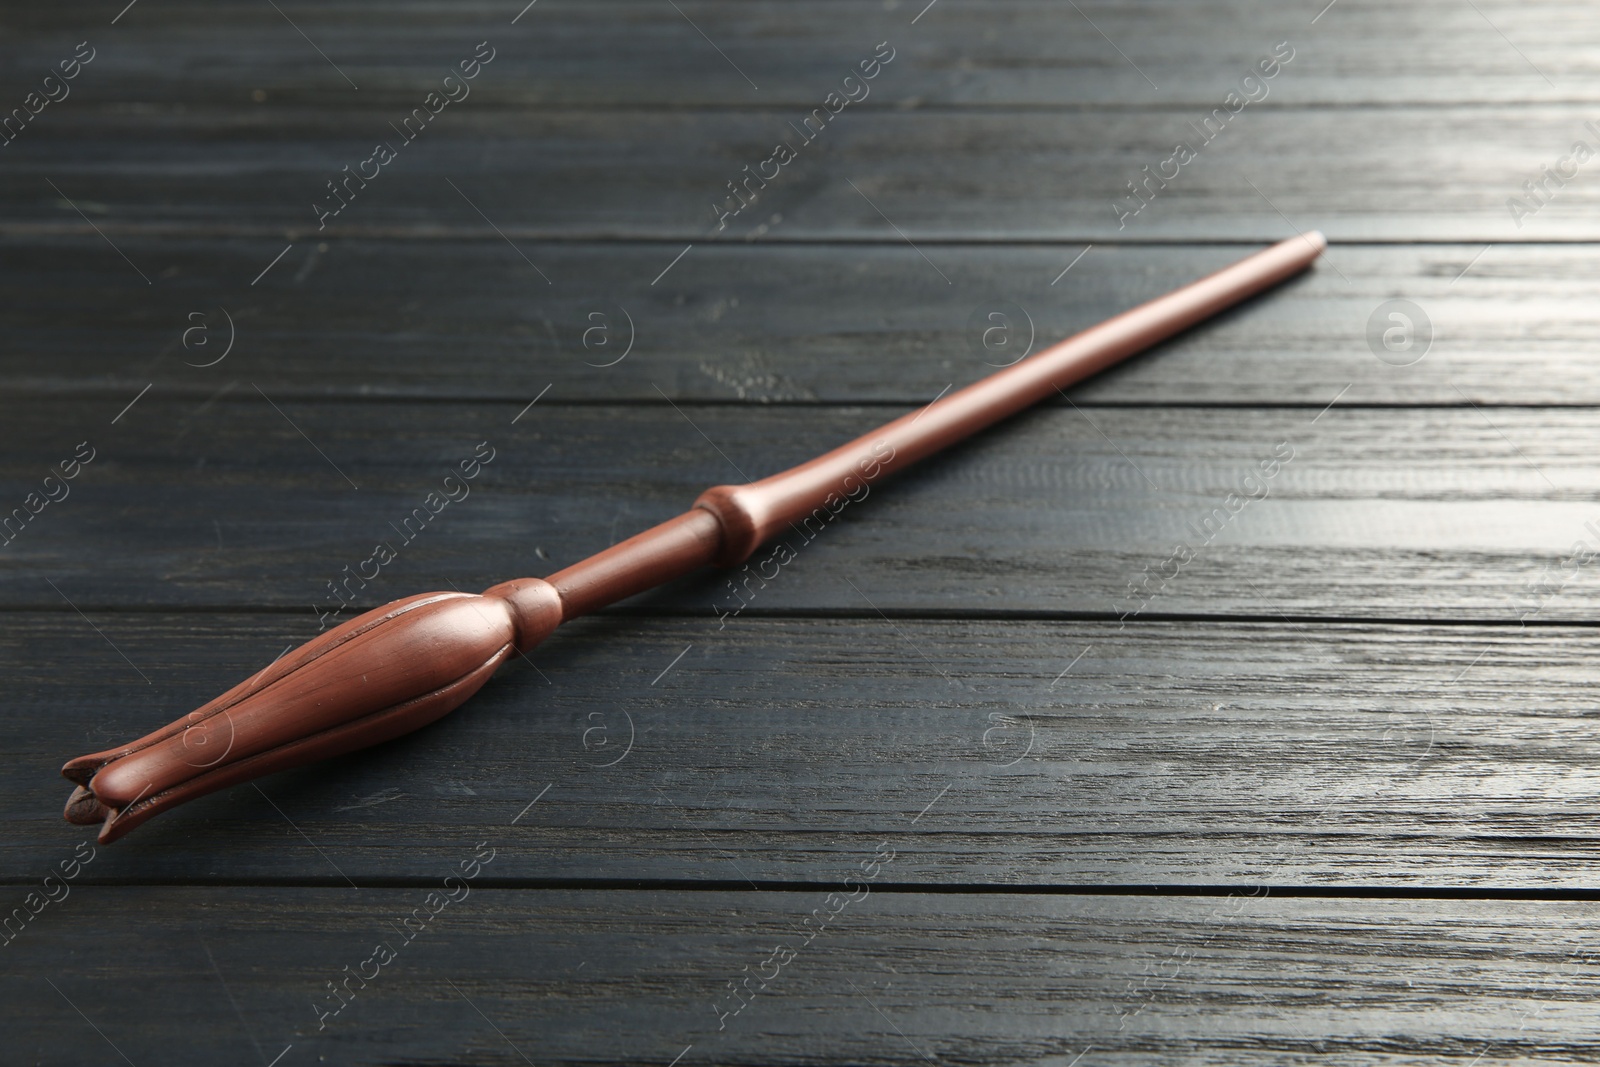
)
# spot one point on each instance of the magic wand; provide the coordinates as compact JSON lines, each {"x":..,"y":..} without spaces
{"x":403,"y":665}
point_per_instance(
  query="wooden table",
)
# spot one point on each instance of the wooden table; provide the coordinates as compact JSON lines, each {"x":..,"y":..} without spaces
{"x":994,"y":771}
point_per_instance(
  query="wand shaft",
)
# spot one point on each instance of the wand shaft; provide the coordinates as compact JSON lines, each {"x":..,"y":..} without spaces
{"x":750,"y":515}
{"x":403,"y":665}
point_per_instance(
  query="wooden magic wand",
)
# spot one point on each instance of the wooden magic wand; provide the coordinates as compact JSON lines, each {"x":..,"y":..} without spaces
{"x":403,"y":665}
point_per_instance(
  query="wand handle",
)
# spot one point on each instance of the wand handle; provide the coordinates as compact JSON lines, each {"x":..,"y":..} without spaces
{"x":401,"y":666}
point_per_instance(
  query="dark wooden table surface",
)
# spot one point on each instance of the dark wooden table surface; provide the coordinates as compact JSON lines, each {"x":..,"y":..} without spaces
{"x":1323,"y":793}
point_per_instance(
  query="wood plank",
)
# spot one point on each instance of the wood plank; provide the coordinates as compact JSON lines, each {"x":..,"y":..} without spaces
{"x":995,"y":176}
{"x":837,"y":323}
{"x":1381,"y":513}
{"x":997,"y":752}
{"x":619,"y":977}
{"x":1008,"y":52}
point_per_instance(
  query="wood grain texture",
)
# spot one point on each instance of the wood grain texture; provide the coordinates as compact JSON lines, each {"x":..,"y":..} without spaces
{"x":829,"y":323}
{"x":585,"y":977}
{"x":1356,"y":174}
{"x":1334,"y":695}
{"x":996,"y":753}
{"x":1381,"y":513}
{"x":1011,"y":52}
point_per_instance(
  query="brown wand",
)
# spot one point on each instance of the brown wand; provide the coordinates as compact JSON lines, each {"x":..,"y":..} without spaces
{"x":403,"y":665}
